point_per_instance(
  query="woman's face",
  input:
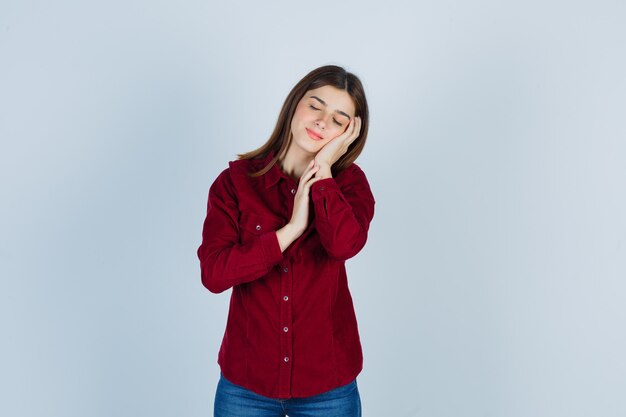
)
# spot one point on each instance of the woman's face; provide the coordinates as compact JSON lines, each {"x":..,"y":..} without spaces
{"x":321,"y":115}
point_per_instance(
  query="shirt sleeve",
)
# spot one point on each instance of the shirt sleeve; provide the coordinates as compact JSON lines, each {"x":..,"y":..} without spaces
{"x":343,"y":212}
{"x":224,"y":261}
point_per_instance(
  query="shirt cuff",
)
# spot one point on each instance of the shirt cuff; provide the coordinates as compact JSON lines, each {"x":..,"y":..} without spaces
{"x":271,"y":248}
{"x":322,"y":187}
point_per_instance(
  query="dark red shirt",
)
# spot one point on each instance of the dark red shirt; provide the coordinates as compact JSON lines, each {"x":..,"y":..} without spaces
{"x":291,"y":329}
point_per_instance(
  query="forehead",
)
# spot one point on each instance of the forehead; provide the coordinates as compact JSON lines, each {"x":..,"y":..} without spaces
{"x":334,"y":98}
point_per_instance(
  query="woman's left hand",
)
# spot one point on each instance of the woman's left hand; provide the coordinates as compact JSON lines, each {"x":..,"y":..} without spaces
{"x":333,"y":150}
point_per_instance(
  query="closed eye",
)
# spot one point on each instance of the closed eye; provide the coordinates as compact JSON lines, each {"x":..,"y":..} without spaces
{"x":317,"y":109}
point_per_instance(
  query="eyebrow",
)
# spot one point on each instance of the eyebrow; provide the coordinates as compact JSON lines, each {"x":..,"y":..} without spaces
{"x":324,"y":103}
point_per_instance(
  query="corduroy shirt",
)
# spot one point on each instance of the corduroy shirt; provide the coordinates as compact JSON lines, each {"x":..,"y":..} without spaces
{"x":291,"y":330}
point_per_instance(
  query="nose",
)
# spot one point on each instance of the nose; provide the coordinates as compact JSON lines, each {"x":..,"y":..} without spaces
{"x":320,"y":123}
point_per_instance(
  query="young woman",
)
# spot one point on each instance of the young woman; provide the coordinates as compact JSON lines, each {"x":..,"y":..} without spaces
{"x":281,"y":222}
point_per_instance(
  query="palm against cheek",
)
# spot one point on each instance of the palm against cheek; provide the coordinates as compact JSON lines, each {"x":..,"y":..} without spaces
{"x":333,"y":150}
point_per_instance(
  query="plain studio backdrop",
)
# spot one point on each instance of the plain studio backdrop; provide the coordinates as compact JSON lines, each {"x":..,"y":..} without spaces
{"x":493,"y":281}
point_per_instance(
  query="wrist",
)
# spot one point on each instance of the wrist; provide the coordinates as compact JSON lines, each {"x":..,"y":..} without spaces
{"x":292,"y":231}
{"x":324,"y":172}
{"x":286,"y":235}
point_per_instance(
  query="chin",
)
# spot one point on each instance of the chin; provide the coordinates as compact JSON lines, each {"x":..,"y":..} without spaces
{"x":307,"y":145}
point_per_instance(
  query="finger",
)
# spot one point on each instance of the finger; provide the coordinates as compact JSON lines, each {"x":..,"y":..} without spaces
{"x":308,"y":174}
{"x":308,"y":184}
{"x":357,"y":130}
{"x":350,"y":129}
{"x":305,"y":189}
{"x":357,"y":125}
{"x":308,"y":168}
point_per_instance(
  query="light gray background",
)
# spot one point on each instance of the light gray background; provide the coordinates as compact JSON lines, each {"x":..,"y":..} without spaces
{"x":493,"y":280}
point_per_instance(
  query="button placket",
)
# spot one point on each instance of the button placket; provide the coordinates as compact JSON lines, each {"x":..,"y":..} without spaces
{"x":285,"y":272}
{"x":289,"y":193}
{"x":286,"y":340}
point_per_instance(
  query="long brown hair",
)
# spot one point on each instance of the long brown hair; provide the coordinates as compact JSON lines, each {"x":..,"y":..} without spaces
{"x":281,"y":137}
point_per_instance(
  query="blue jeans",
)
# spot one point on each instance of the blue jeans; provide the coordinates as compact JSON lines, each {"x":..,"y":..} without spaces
{"x":235,"y":401}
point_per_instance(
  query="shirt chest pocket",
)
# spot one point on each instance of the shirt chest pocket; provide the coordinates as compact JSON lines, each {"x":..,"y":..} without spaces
{"x":252,"y":225}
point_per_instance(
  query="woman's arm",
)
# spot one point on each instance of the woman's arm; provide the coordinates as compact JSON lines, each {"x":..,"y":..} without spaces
{"x":344,"y":209}
{"x":224,"y":262}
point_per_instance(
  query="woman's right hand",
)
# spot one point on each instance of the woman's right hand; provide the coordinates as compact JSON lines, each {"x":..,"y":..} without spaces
{"x":300,"y":214}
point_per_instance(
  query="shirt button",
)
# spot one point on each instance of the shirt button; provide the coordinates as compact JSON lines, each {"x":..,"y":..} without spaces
{"x":285,"y":298}
{"x":322,"y":188}
{"x":293,"y":191}
{"x":258,"y":227}
{"x":286,"y":358}
{"x":285,"y":329}
{"x":285,"y":269}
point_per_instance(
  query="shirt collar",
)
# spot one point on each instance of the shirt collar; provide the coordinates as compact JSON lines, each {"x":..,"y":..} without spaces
{"x":274,"y":174}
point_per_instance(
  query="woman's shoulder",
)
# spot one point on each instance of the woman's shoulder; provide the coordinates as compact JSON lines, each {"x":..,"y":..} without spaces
{"x":243,"y":167}
{"x":235,"y":176}
{"x":351,"y":173}
{"x":233,"y":169}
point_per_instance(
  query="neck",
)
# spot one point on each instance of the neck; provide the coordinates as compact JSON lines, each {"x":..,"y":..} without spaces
{"x":295,"y":162}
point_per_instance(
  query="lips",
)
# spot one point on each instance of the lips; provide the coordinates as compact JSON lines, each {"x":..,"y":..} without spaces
{"x":313,"y":135}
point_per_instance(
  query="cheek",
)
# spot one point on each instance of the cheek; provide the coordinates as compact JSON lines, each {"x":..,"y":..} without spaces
{"x":339,"y":131}
{"x":301,"y":112}
{"x":297,"y":119}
